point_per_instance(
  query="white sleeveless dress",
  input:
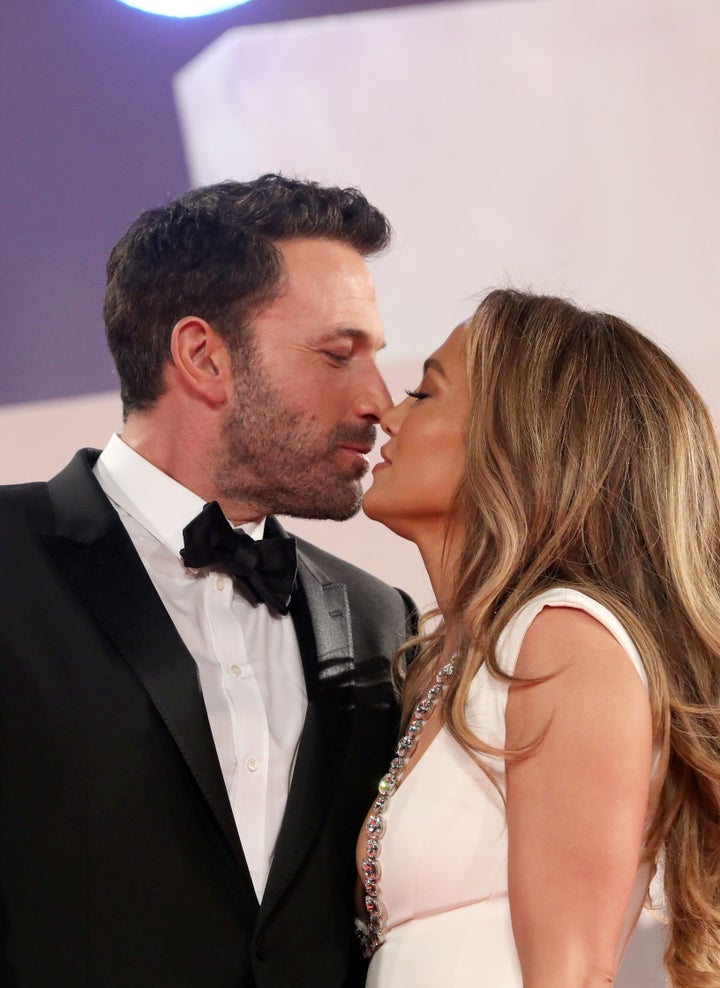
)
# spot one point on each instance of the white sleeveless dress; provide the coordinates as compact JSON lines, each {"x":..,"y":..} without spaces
{"x":444,"y":879}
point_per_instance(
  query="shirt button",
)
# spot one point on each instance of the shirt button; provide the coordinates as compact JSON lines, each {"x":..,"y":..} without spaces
{"x":251,"y":764}
{"x":219,"y":582}
{"x":236,"y":671}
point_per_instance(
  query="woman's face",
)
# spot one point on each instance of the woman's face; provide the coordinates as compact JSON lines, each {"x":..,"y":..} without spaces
{"x":423,"y":462}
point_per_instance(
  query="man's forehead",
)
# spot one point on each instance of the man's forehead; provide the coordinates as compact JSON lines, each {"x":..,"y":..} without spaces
{"x":322,"y":256}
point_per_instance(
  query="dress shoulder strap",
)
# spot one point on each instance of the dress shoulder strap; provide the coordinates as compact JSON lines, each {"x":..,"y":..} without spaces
{"x":514,"y":633}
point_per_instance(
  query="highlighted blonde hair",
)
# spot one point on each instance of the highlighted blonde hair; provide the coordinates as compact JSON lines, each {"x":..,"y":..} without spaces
{"x":592,"y":462}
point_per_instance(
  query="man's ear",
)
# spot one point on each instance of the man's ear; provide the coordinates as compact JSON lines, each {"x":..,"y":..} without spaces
{"x":201,"y":360}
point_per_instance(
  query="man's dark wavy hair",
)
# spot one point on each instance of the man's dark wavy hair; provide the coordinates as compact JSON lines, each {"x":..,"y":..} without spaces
{"x":212,"y":253}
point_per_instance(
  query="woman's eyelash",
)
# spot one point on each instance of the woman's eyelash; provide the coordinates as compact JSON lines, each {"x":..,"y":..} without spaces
{"x":418,"y":395}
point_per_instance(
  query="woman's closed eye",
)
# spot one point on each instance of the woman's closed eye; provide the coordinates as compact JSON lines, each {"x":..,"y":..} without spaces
{"x":417,"y":395}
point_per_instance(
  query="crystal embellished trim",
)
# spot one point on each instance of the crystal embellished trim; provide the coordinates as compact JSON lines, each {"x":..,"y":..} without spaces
{"x":372,"y":935}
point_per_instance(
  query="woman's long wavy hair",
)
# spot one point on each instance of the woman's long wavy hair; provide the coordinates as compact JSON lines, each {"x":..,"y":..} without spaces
{"x":592,"y":462}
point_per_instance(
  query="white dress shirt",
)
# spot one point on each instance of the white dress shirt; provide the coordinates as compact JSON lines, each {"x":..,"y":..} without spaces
{"x":247,"y":656}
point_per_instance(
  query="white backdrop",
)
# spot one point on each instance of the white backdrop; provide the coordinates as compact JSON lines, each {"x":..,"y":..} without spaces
{"x":571,"y":146}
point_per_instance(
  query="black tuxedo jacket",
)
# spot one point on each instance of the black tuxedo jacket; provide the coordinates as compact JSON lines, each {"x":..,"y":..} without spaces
{"x":120,"y":864}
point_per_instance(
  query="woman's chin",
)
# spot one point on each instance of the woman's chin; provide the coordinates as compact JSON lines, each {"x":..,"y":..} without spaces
{"x":372,"y":505}
{"x":375,"y":506}
{"x":377,"y":509}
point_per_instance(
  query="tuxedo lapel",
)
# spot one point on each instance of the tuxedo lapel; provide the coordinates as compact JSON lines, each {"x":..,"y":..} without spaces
{"x":96,"y":555}
{"x":321,"y":613}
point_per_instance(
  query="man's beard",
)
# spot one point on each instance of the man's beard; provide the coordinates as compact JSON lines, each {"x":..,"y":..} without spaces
{"x":274,"y":460}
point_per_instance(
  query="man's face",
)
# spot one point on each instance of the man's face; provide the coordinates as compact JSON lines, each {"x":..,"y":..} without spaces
{"x":307,"y":390}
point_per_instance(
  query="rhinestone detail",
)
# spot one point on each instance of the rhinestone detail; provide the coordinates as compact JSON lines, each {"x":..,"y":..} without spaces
{"x":371,"y":938}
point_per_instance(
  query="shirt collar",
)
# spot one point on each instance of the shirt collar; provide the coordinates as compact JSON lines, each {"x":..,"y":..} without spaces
{"x":160,"y":504}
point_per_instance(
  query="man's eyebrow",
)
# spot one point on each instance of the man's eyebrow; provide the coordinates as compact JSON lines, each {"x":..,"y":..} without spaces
{"x":432,"y":364}
{"x":349,"y":332}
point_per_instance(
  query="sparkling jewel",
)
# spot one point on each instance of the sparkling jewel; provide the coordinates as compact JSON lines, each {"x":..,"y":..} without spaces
{"x":387,"y":785}
{"x":370,"y":869}
{"x":372,"y":848}
{"x":371,"y":904}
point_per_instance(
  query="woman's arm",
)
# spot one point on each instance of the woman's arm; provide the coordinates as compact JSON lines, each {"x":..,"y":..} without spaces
{"x":576,"y":806}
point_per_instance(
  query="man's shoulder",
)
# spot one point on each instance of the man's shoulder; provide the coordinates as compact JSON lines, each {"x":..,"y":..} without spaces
{"x":26,"y":517}
{"x":30,"y":504}
{"x":23,"y":499}
{"x":333,"y":568}
{"x":374,"y":605}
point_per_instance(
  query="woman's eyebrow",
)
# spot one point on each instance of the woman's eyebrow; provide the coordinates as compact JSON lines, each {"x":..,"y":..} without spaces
{"x":433,"y":364}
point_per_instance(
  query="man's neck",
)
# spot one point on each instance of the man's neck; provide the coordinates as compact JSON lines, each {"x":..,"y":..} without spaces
{"x":187,"y":460}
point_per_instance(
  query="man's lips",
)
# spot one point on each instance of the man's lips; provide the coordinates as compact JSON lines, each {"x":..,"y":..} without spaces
{"x":361,"y":448}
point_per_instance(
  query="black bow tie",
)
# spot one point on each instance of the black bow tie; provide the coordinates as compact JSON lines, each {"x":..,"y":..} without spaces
{"x":268,"y":567}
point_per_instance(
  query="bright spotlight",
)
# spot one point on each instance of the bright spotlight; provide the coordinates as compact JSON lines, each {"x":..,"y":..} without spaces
{"x":183,"y":8}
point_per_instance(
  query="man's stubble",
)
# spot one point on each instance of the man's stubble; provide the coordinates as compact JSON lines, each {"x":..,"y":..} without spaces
{"x":275,"y":461}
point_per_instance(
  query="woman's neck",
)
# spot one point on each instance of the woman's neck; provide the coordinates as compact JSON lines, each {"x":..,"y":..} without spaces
{"x":441,"y":555}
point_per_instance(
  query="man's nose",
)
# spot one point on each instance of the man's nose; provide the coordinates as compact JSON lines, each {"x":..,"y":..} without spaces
{"x":373,"y":398}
